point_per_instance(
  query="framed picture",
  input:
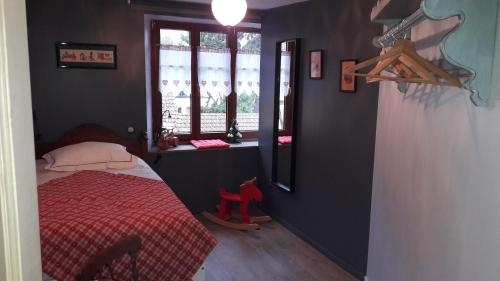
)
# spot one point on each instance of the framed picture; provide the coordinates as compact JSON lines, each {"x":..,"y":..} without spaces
{"x":316,"y":64}
{"x":77,"y":55}
{"x":347,"y":83}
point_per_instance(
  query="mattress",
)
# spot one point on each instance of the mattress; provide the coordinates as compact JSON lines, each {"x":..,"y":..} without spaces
{"x":82,"y":213}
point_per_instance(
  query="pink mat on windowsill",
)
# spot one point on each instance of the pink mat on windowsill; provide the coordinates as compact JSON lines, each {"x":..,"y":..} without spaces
{"x":204,"y":144}
{"x":285,"y":139}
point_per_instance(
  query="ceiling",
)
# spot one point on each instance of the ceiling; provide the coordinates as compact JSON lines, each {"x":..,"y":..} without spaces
{"x":254,"y":4}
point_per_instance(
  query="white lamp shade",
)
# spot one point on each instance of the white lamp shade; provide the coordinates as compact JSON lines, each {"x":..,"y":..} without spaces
{"x":229,"y":12}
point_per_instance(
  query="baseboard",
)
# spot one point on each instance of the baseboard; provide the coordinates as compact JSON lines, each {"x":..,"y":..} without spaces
{"x":347,"y":267}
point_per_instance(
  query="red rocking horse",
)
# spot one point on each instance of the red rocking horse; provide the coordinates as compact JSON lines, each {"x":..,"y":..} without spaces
{"x":248,"y":192}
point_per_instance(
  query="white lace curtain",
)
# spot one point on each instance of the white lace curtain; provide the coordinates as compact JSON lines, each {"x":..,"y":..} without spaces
{"x":247,"y":72}
{"x":214,"y":72}
{"x":285,"y":74}
{"x":175,"y":70}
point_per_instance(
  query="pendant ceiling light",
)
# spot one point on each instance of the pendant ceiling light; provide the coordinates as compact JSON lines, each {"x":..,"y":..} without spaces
{"x":229,"y":12}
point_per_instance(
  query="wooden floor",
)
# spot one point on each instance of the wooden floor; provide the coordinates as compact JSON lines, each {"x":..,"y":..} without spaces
{"x":271,"y":253}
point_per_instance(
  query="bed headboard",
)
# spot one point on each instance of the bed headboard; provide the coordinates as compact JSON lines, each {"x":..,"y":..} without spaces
{"x":93,"y":132}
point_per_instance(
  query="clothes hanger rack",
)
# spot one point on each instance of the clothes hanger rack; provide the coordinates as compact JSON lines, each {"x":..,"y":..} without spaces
{"x":408,"y":63}
{"x":402,"y":59}
{"x":400,"y":30}
{"x":473,"y":21}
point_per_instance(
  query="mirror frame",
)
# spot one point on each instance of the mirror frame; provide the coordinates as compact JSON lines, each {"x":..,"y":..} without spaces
{"x":295,"y":89}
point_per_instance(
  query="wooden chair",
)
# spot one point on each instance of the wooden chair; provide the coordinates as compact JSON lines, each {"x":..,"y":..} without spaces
{"x":96,"y":264}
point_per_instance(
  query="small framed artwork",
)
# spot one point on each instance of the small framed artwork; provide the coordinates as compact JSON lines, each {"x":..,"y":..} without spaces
{"x":347,"y":83}
{"x":316,"y":66}
{"x":78,"y":55}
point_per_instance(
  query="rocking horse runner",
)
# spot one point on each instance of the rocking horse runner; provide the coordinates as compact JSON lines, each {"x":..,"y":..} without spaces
{"x":248,"y":192}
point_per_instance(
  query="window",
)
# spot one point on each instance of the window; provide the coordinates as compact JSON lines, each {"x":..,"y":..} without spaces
{"x":203,"y":77}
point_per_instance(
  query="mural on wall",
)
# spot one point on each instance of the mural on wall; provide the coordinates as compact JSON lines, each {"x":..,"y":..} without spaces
{"x":459,"y":44}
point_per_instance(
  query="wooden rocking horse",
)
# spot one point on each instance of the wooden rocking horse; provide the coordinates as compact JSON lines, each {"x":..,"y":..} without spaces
{"x":248,"y":192}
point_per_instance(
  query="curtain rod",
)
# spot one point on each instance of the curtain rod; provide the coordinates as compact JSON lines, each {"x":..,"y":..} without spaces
{"x":400,"y":30}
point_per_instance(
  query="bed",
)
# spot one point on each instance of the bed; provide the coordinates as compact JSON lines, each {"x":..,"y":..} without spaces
{"x":83,"y":212}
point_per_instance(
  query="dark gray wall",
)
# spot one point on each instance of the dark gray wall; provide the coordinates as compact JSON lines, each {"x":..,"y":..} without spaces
{"x":196,"y":176}
{"x":336,"y":131}
{"x":66,"y":98}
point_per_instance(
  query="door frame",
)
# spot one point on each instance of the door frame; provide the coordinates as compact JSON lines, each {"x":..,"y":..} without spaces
{"x":19,"y":227}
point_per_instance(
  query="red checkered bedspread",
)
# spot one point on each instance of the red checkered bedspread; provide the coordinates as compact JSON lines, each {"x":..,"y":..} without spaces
{"x":88,"y":211}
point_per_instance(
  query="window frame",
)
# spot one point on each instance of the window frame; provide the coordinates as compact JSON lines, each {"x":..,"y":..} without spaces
{"x":195,"y":30}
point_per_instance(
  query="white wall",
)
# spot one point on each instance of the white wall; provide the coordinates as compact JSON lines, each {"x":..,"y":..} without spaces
{"x":436,"y":190}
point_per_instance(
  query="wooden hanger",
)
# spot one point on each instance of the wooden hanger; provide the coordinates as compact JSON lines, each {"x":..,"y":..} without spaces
{"x":405,"y":62}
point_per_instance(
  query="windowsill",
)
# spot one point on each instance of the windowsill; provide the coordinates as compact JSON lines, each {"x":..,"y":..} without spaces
{"x":189,"y":147}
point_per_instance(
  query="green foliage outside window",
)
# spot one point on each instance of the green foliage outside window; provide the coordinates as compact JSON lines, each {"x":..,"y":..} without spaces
{"x":249,"y":41}
{"x":218,"y":106}
{"x":209,"y":39}
{"x":248,"y":103}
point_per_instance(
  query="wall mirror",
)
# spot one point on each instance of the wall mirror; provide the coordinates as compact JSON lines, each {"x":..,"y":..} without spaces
{"x":285,"y":112}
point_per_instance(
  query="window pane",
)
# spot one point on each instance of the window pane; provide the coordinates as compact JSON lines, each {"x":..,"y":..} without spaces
{"x":285,"y":89}
{"x":248,"y":81}
{"x":215,"y":81}
{"x":214,"y":76}
{"x":281,"y":121}
{"x":174,"y":37}
{"x":213,"y":113}
{"x":175,"y":80}
{"x":249,"y":41}
{"x":213,"y":40}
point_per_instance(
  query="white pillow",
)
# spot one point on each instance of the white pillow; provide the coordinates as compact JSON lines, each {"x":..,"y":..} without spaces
{"x":89,"y":156}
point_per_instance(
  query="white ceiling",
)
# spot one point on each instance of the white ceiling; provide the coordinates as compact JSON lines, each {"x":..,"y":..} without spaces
{"x":254,"y":4}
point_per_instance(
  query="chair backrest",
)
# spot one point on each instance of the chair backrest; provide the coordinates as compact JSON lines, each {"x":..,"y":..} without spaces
{"x":96,"y":264}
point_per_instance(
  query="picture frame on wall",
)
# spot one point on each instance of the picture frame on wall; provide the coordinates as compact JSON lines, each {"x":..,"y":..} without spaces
{"x":348,"y":83}
{"x":316,"y":64}
{"x":80,"y":55}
